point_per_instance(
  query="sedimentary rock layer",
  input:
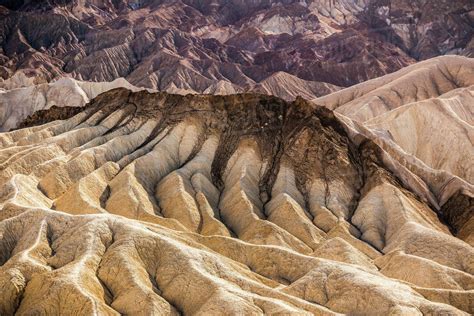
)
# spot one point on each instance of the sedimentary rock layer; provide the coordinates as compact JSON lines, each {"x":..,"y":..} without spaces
{"x":22,"y":99}
{"x":193,"y":45}
{"x":423,"y":117}
{"x":244,"y":204}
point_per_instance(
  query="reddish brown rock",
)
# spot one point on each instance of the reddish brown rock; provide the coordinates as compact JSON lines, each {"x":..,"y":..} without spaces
{"x":193,"y":45}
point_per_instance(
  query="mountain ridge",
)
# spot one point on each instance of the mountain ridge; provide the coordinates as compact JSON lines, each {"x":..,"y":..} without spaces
{"x":191,"y":45}
{"x":139,"y":181}
{"x":236,"y":157}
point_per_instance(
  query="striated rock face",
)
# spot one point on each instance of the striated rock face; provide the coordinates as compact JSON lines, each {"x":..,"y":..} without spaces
{"x":420,"y":108}
{"x":246,"y":204}
{"x":193,"y":46}
{"x":423,"y":117}
{"x":416,"y":26}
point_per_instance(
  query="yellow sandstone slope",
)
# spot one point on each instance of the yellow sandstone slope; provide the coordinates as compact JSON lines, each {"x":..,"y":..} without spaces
{"x":245,"y":204}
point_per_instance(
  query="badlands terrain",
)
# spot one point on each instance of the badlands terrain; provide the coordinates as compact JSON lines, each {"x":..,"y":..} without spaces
{"x":16,"y":104}
{"x":184,"y":46}
{"x":236,"y":157}
{"x":142,"y":202}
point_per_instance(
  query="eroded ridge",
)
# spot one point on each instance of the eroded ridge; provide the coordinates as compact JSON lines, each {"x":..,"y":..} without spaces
{"x":245,"y":204}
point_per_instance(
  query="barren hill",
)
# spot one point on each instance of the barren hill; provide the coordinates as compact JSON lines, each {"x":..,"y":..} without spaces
{"x":17,"y":103}
{"x":423,"y":117}
{"x":189,"y":45}
{"x":242,"y":204}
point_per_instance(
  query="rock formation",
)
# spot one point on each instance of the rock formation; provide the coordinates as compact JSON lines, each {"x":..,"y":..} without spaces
{"x":228,"y":193}
{"x":423,"y":117}
{"x":193,"y":46}
{"x":416,"y":26}
{"x":21,"y":97}
{"x":24,"y":98}
{"x":153,"y":203}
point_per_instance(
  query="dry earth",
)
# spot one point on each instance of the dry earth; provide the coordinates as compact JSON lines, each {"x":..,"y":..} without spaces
{"x":152,"y":203}
{"x":22,"y":98}
{"x":190,"y":45}
{"x":423,"y":117}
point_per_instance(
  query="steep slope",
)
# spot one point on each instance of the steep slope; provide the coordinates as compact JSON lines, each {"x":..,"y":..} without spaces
{"x":416,"y":25}
{"x":192,"y":45}
{"x":425,"y":80}
{"x":289,"y":87}
{"x":242,"y":204}
{"x":433,"y":130}
{"x":424,"y":110}
{"x":19,"y":103}
{"x":423,"y":117}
